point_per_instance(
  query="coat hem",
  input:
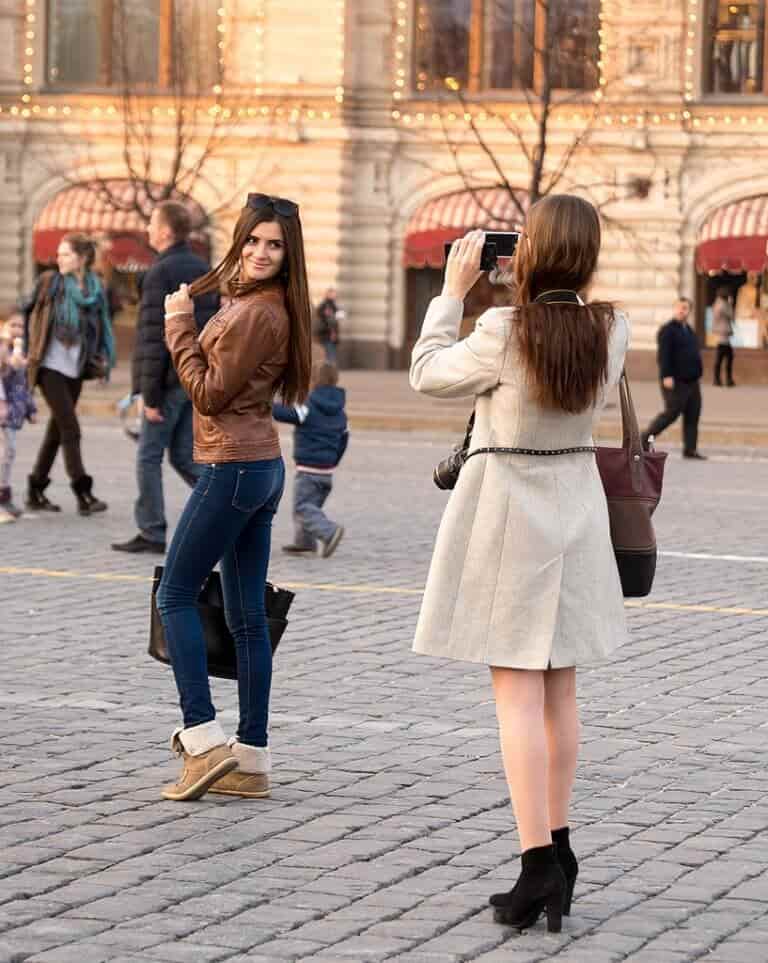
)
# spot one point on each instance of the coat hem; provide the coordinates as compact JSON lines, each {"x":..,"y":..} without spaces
{"x":512,"y":663}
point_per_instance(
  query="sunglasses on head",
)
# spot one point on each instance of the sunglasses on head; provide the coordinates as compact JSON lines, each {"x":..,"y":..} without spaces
{"x":280,"y":205}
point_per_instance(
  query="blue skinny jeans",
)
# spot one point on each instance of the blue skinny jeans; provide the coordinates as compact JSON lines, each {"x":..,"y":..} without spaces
{"x":227,"y":519}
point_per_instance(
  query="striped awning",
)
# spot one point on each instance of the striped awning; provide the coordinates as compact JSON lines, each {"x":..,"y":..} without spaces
{"x":121,"y":232}
{"x":443,"y":219}
{"x":735,"y":237}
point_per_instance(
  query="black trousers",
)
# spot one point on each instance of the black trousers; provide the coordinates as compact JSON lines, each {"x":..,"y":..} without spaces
{"x":684,"y":399}
{"x":724,"y":353}
{"x":61,"y":394}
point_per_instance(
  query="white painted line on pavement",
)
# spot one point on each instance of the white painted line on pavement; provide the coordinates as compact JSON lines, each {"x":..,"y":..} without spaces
{"x":759,"y":559}
{"x":368,"y":589}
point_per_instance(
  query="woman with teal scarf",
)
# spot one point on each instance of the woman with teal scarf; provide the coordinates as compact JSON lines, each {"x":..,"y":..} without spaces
{"x":69,"y":340}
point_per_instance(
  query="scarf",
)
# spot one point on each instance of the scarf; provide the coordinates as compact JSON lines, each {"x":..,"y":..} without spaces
{"x":69,"y":307}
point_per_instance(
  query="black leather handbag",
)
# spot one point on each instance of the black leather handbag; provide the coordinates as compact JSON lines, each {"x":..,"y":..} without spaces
{"x":222,"y":661}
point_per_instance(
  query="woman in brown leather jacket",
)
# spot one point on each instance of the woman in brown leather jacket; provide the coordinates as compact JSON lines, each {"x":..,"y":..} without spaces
{"x":259,"y":343}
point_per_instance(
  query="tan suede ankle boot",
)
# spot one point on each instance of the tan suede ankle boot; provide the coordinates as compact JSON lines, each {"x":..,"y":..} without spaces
{"x":251,"y":780}
{"x":206,"y":757}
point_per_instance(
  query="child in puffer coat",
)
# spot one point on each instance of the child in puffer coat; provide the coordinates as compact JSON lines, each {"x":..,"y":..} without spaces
{"x":19,"y":407}
{"x":320,"y":441}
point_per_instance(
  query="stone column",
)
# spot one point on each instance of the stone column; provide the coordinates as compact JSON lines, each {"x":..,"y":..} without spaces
{"x":366,"y":216}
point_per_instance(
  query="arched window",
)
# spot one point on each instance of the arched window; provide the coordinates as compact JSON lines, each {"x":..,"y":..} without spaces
{"x":140,"y":45}
{"x":498,"y":45}
{"x":734,"y":48}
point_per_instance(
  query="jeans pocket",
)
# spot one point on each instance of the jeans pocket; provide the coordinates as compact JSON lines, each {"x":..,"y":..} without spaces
{"x":254,"y":487}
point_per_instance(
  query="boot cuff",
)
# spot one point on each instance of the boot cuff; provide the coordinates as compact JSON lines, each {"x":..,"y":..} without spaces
{"x":198,"y":740}
{"x":540,"y":857}
{"x":252,"y":759}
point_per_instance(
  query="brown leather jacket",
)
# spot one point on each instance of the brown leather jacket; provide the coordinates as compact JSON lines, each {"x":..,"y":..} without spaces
{"x":230,"y":373}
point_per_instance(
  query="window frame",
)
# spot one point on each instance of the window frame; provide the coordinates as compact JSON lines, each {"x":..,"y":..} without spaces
{"x":705,"y":67}
{"x":475,"y":90}
{"x":107,"y":83}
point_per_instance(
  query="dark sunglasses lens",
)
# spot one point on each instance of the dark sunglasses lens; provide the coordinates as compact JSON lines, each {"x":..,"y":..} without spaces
{"x":286,"y":208}
{"x":257,"y":202}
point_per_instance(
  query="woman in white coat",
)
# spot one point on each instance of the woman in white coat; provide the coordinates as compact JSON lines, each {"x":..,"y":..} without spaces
{"x":523,"y":576}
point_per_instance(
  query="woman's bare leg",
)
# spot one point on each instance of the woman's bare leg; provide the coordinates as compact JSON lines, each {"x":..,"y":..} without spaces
{"x":520,"y":710}
{"x":561,"y":723}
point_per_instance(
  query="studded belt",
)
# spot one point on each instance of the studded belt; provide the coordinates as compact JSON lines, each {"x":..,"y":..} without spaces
{"x":532,"y":451}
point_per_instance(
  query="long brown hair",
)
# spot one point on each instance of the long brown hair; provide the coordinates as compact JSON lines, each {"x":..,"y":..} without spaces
{"x":564,"y":347}
{"x":294,"y":382}
{"x":83,"y":246}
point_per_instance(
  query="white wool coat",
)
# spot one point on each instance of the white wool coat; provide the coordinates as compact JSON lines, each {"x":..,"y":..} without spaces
{"x":523,"y":573}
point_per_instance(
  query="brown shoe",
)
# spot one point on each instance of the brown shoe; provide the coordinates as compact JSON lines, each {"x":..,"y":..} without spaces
{"x":251,"y":781}
{"x":249,"y":785}
{"x":206,"y":758}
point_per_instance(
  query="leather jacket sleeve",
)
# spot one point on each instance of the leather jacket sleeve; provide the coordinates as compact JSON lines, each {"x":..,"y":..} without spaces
{"x":245,"y":341}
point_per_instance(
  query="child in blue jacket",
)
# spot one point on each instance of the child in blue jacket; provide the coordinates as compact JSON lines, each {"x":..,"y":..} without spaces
{"x":19,"y":407}
{"x":320,"y":441}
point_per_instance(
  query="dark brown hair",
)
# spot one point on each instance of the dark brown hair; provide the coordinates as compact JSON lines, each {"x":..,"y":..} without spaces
{"x":177,"y":218}
{"x":325,"y":373}
{"x":294,"y":382}
{"x":83,"y":246}
{"x":564,"y":347}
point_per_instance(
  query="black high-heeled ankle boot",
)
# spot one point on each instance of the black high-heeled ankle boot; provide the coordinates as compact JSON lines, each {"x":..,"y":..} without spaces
{"x":568,"y":864}
{"x":539,"y":888}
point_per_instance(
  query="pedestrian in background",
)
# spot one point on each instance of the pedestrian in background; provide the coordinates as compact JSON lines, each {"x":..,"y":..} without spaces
{"x":328,"y":315}
{"x":68,"y":340}
{"x":166,"y":423}
{"x":19,"y":406}
{"x":523,"y":576}
{"x":320,"y":440}
{"x":723,"y":329}
{"x":680,"y":370}
{"x":258,"y":344}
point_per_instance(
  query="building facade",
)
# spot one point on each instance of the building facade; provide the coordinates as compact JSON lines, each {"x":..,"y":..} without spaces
{"x":397,"y":125}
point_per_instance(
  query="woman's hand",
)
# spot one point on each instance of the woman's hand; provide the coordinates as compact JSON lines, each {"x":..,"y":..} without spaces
{"x":462,"y":269}
{"x":179,"y":302}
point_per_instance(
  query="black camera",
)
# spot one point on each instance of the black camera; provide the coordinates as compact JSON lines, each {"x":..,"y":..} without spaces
{"x":497,"y":244}
{"x":446,"y":472}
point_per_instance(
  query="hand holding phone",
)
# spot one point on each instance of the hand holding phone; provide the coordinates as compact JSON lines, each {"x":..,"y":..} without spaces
{"x":462,"y":266}
{"x":497,"y":244}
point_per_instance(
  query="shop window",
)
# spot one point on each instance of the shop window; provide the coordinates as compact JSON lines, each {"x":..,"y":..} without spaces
{"x":734,"y":48}
{"x":496,"y":45}
{"x":135,"y":44}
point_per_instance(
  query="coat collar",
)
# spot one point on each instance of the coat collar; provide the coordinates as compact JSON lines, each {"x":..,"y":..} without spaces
{"x":180,"y":247}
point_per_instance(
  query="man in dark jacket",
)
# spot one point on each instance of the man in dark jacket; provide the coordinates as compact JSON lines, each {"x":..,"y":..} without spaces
{"x":167,"y":419}
{"x":680,"y":370}
{"x":320,"y":441}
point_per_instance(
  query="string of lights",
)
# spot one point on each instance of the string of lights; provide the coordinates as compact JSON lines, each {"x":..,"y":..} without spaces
{"x":406,"y":110}
{"x":51,"y":105}
{"x":341,"y":50}
{"x":417,"y":110}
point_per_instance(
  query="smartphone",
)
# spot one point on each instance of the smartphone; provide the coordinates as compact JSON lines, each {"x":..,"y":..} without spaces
{"x":497,"y":244}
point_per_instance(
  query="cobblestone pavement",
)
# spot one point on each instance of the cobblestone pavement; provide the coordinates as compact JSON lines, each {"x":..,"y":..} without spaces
{"x":389,"y":823}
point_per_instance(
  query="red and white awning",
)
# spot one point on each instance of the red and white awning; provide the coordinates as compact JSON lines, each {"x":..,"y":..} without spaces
{"x":122,"y":233}
{"x":735,"y":237}
{"x":445,"y":218}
